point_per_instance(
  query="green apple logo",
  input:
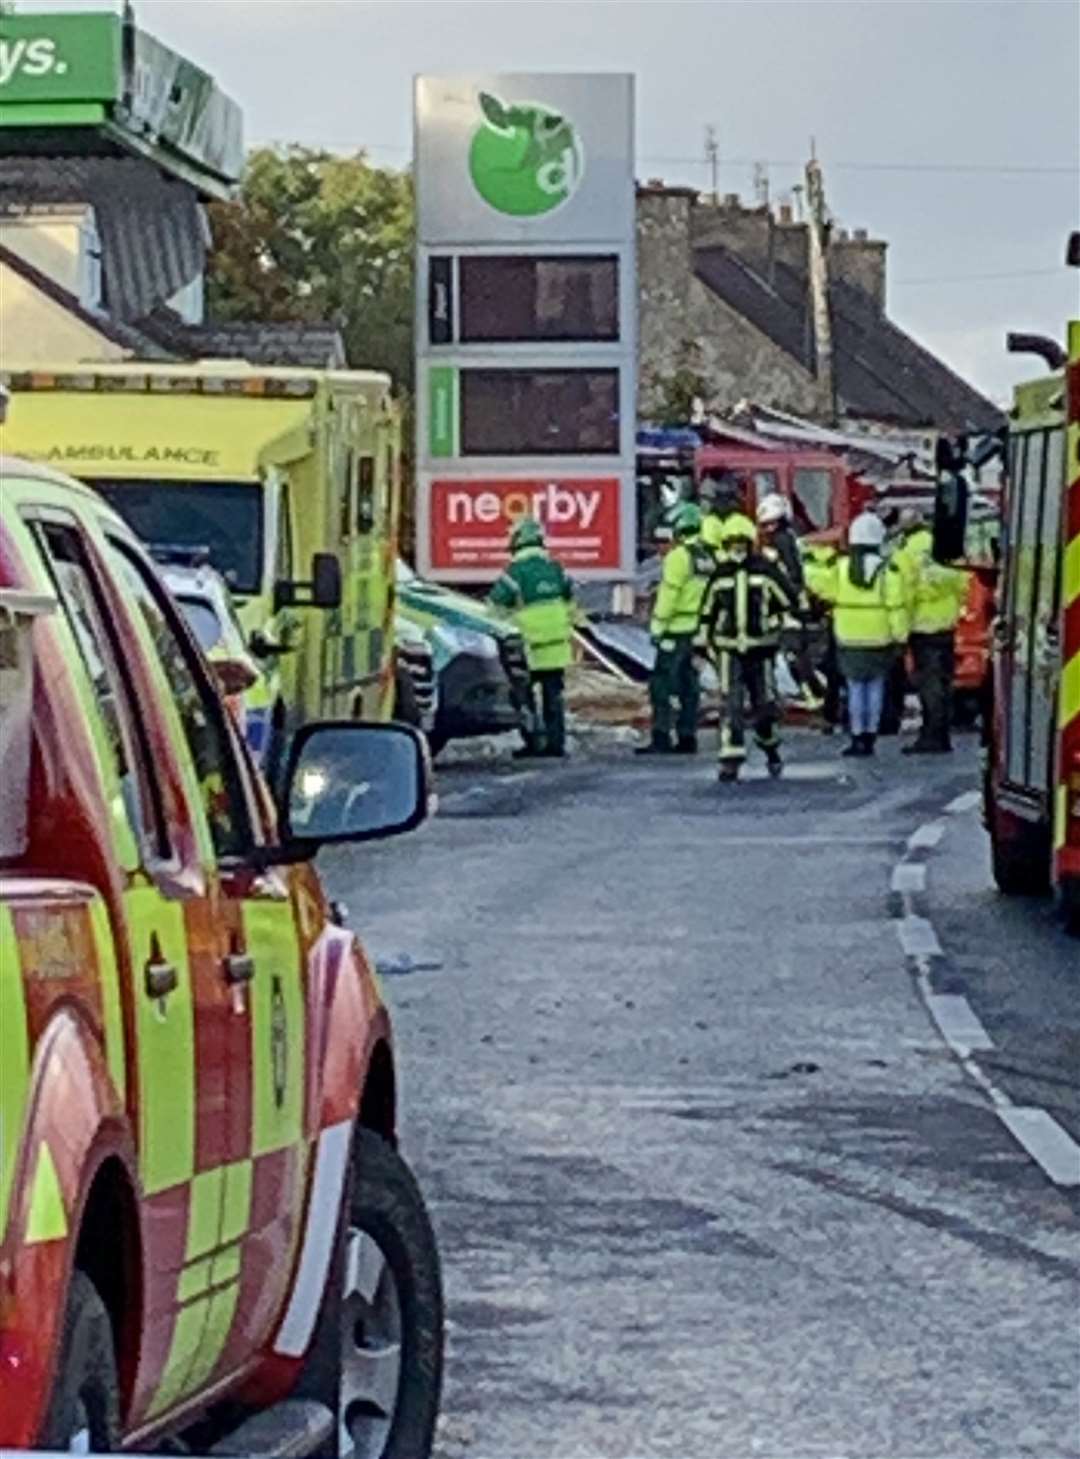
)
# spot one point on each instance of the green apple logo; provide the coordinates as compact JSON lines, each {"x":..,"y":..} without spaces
{"x":525,"y":159}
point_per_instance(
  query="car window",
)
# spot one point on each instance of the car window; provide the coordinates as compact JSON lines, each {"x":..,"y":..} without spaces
{"x":65,"y":557}
{"x":813,"y":498}
{"x":202,"y":620}
{"x":202,"y":715}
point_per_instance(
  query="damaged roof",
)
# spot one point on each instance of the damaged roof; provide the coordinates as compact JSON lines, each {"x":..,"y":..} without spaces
{"x":308,"y":346}
{"x":880,"y":372}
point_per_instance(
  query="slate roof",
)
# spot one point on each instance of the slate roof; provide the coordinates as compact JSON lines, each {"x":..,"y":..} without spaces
{"x":881,"y":373}
{"x":307,"y":346}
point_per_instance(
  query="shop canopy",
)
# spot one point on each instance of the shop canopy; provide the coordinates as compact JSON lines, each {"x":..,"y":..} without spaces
{"x":93,"y":85}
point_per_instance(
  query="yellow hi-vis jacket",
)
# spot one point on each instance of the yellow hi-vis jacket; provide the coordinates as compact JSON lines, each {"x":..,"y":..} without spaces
{"x":865,"y":617}
{"x":714,"y":528}
{"x":934,"y":594}
{"x":683,"y":580}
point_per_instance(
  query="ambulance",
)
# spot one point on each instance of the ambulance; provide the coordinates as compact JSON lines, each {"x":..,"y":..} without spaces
{"x":287,"y":480}
{"x":209,"y":1238}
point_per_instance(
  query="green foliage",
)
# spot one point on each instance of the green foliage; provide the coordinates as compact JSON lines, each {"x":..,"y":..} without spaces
{"x":314,"y":236}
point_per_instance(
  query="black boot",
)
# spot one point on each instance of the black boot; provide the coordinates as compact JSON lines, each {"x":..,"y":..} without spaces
{"x":686,"y":745}
{"x":869,"y":742}
{"x":658,"y":745}
{"x":729,"y":771}
{"x":774,"y":761}
{"x":854,"y":750}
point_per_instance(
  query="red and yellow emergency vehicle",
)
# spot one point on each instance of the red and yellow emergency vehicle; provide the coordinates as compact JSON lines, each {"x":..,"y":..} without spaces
{"x":1033,"y":776}
{"x":203,"y":1212}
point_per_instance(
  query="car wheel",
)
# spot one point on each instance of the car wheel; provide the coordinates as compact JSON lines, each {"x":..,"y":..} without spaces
{"x":392,"y":1311}
{"x":437,"y":740}
{"x":84,"y":1408}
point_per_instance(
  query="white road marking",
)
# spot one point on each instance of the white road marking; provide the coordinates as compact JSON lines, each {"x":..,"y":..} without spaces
{"x":1045,"y":1141}
{"x":909,"y":878}
{"x":969,"y":801}
{"x":956,"y":1019}
{"x":927,"y":836}
{"x":917,"y":937}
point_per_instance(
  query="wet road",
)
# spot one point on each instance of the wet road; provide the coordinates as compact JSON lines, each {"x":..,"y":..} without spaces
{"x":707,"y":1176}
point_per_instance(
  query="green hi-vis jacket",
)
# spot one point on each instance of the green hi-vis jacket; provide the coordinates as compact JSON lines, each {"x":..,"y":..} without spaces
{"x":873,"y":616}
{"x":683,"y":580}
{"x":541,"y":597}
{"x":934,"y":594}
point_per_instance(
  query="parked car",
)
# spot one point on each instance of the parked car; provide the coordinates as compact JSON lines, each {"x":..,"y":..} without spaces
{"x":416,"y":686}
{"x":205,"y":1218}
{"x":251,"y":690}
{"x":479,"y":659}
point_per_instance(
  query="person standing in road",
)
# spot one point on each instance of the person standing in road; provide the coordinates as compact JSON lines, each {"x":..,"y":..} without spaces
{"x":866,"y":593}
{"x":721,"y":500}
{"x":778,"y":536}
{"x":686,"y":572}
{"x":741,"y":618}
{"x":537,"y":591}
{"x":934,"y":598}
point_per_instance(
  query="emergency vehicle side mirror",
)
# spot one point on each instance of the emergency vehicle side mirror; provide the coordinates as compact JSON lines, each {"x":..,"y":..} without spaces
{"x":234,"y":676}
{"x":323,"y":590}
{"x":950,"y":517}
{"x":349,"y":782}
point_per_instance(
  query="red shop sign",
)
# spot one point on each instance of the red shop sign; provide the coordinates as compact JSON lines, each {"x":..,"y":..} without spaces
{"x":470,"y":520}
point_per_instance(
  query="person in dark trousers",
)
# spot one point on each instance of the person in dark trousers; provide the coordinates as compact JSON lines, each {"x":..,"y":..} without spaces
{"x":934,"y":599}
{"x":686,"y":572}
{"x":537,"y":591}
{"x":741,"y":620}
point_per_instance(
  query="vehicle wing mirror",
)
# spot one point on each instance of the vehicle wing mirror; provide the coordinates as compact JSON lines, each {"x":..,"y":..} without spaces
{"x":325,"y":580}
{"x":350,"y":782}
{"x":322,"y":591}
{"x":950,"y":517}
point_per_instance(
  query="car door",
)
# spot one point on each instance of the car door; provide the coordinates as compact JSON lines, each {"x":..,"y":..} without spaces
{"x":177,"y":1095}
{"x":259,"y":967}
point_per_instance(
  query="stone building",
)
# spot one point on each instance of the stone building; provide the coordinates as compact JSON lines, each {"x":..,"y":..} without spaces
{"x":726,"y":295}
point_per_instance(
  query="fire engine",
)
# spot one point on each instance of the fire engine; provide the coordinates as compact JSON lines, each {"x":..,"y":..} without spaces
{"x":1032,"y":785}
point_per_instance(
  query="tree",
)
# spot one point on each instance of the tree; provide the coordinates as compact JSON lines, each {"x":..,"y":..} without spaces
{"x":314,"y":236}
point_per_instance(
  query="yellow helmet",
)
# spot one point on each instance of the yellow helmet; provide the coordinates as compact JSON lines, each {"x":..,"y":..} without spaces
{"x":737,"y":528}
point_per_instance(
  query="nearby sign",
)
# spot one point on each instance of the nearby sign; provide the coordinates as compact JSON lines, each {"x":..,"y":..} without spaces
{"x":470,"y":520}
{"x":59,"y":58}
{"x":526,"y":320}
{"x":539,"y":157}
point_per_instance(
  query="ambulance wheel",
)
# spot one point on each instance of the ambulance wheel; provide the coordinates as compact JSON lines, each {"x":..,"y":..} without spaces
{"x":84,"y":1409}
{"x":1021,"y":866}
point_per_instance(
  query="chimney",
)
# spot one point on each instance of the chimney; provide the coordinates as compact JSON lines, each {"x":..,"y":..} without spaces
{"x":786,"y":215}
{"x":859,"y":260}
{"x":819,"y":287}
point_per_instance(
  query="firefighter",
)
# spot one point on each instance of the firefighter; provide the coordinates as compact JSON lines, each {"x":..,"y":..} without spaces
{"x":686,"y":573}
{"x":721,"y":499}
{"x":742,"y":616}
{"x":866,"y":593}
{"x":537,"y":591}
{"x":778,"y":536}
{"x":934,"y":599}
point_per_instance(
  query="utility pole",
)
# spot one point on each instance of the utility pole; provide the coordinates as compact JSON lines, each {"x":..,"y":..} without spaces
{"x":761,"y":184}
{"x":819,"y":284}
{"x":712,"y":157}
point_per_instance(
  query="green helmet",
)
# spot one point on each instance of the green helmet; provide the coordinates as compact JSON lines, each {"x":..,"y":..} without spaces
{"x":526,"y":533}
{"x":687,"y":521}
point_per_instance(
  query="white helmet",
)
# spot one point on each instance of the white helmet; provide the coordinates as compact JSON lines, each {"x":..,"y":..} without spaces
{"x":772,"y":508}
{"x":867,"y":530}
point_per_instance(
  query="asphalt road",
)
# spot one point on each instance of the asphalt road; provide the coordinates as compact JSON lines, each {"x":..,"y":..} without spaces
{"x":707,"y":1176}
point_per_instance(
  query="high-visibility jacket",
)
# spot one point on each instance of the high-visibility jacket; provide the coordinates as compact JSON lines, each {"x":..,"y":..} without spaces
{"x":536,"y":589}
{"x":683,"y":580}
{"x":934,"y":594}
{"x":714,"y":528}
{"x":745,"y":605}
{"x":819,"y":565}
{"x":865,"y":616}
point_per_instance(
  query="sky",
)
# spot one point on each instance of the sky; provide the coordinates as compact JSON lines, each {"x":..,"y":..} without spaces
{"x":950,"y":129}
